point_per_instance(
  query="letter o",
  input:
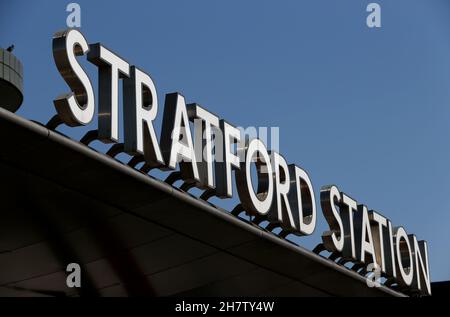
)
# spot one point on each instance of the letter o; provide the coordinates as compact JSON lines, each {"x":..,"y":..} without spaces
{"x":404,"y":256}
{"x":260,"y":202}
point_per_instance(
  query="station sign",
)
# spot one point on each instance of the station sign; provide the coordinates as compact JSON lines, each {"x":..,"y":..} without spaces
{"x":216,"y":151}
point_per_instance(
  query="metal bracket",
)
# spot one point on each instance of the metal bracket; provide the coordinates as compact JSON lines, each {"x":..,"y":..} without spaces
{"x":271,"y":226}
{"x":187,"y":185}
{"x":343,"y":261}
{"x":115,"y":150}
{"x":319,"y":248}
{"x":207,"y":194}
{"x":357,"y":266}
{"x":89,"y":137}
{"x":54,"y":122}
{"x":334,"y":256}
{"x":173,"y":177}
{"x":389,"y":282}
{"x":135,"y":160}
{"x":146,"y":168}
{"x":237,"y":210}
{"x":363,"y":271}
{"x":258,"y":219}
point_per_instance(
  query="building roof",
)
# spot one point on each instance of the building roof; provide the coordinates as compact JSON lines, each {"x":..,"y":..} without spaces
{"x":132,"y":234}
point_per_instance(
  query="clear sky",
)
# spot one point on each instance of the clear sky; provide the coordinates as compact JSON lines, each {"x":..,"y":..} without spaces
{"x":366,"y":109}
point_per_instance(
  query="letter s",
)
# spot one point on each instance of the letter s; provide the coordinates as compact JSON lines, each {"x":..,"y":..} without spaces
{"x":333,"y":239}
{"x":77,"y":107}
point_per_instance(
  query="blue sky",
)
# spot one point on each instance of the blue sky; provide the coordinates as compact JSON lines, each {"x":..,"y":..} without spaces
{"x":366,"y":109}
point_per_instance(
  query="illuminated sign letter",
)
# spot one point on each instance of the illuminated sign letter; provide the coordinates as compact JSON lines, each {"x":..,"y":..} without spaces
{"x":176,"y":139}
{"x":403,"y":253}
{"x":255,"y":203}
{"x":348,"y":208}
{"x":391,"y":266}
{"x":141,"y":108}
{"x":302,"y":200}
{"x":363,"y":236}
{"x":204,"y":123}
{"x":226,"y":160}
{"x":422,"y":273}
{"x":110,"y":68}
{"x":77,"y":107}
{"x":380,"y":236}
{"x":281,"y":208}
{"x":330,"y":199}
